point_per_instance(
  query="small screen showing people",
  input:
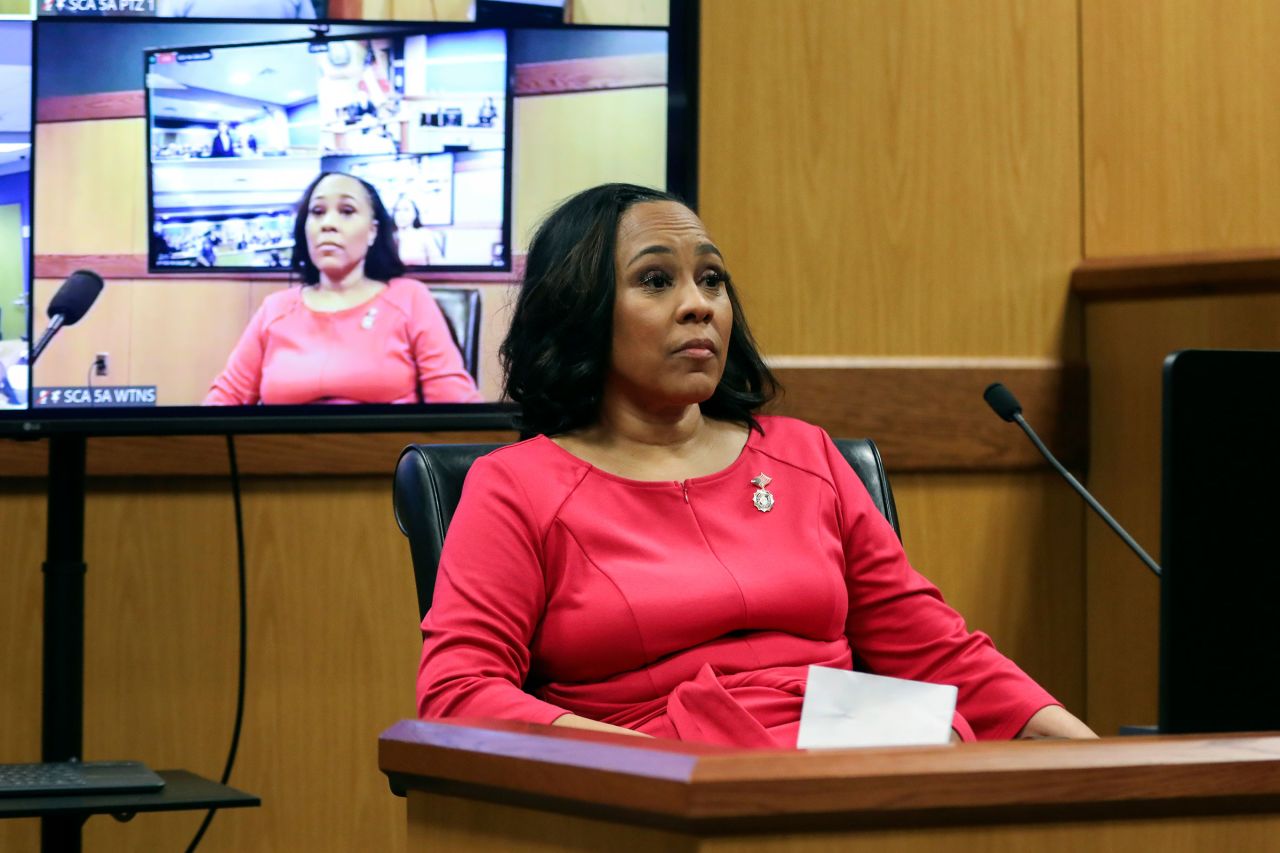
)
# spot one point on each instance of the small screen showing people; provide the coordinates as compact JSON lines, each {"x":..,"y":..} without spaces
{"x":236,"y":134}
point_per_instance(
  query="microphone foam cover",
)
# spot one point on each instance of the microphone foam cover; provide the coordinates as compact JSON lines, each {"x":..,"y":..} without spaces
{"x":75,"y":296}
{"x":1002,"y":401}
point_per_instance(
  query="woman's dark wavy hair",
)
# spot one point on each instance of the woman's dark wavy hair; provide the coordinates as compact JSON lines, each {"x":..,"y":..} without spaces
{"x":556,"y":356}
{"x":382,"y":263}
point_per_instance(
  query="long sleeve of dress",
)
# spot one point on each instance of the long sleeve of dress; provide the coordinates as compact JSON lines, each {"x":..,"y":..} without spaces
{"x":898,"y":624}
{"x":489,"y":597}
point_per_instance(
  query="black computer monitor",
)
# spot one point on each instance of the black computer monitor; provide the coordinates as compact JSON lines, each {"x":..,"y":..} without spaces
{"x":1220,"y":589}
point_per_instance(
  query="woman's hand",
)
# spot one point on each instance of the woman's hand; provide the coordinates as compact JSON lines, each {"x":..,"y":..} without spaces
{"x":1055,"y":721}
{"x":573,"y":721}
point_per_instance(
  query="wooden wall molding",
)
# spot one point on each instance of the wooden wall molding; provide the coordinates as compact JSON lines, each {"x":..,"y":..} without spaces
{"x":128,"y":266}
{"x":925,"y":415}
{"x":99,"y":105}
{"x":1176,"y":275}
{"x":590,"y":75}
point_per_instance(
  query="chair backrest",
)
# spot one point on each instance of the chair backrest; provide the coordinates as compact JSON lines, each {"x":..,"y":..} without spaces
{"x":428,"y":485}
{"x":461,"y":309}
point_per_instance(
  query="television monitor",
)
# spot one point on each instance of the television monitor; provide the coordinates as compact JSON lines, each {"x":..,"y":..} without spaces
{"x":1219,"y":647}
{"x":237,"y":132}
{"x":124,"y":180}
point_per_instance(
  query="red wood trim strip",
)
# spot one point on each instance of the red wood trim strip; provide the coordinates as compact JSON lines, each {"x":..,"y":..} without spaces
{"x":590,"y":75}
{"x":135,"y":267}
{"x":1167,"y":276}
{"x":100,"y":105}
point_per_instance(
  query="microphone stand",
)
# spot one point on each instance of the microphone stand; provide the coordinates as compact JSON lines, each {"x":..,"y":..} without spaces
{"x":55,"y":323}
{"x":62,"y":714}
{"x":1084,"y":493}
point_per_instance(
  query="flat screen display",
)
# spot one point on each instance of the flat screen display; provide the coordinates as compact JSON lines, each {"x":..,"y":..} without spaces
{"x":173,"y":165}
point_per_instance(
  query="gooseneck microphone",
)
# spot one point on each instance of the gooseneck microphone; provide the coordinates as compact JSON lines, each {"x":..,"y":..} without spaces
{"x":68,"y":305}
{"x":1004,"y":404}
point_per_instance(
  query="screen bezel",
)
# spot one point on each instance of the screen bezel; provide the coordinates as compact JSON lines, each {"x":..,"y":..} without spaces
{"x":683,"y":55}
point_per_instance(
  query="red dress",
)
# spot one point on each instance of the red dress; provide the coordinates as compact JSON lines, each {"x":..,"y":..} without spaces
{"x":394,"y":348}
{"x":679,"y":609}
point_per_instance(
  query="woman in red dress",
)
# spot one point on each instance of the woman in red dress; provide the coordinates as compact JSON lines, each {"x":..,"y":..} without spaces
{"x":657,"y":558}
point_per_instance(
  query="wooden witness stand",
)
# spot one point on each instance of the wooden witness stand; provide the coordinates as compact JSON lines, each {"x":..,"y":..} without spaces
{"x":491,"y":785}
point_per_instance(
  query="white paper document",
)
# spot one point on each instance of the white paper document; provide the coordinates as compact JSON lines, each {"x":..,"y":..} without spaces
{"x":843,"y":708}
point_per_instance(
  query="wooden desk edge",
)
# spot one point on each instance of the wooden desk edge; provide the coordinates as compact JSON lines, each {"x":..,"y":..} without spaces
{"x":671,"y":784}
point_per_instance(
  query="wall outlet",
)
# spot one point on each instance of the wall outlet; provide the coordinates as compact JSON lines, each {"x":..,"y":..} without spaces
{"x":100,"y":364}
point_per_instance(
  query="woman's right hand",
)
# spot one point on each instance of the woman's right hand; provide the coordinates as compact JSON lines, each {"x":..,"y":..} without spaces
{"x":573,"y":721}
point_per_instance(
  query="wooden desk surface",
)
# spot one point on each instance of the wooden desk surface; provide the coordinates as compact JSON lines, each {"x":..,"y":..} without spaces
{"x":702,"y":788}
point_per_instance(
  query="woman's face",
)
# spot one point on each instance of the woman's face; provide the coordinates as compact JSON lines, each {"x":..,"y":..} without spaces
{"x":404,"y":214}
{"x":340,"y":225}
{"x":671,"y":311}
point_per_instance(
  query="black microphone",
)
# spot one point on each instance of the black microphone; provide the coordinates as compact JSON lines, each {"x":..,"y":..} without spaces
{"x":68,"y":305}
{"x":1004,"y":404}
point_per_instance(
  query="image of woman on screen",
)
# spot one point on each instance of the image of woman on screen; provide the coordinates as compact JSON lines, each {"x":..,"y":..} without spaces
{"x":419,"y":245}
{"x":659,"y":557}
{"x":357,"y":331}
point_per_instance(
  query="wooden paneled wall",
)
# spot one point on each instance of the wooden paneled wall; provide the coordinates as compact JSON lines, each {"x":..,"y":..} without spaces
{"x":891,"y":179}
{"x":1181,"y":154}
{"x":895,"y":178}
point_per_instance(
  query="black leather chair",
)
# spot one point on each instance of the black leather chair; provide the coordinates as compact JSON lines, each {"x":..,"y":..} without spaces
{"x":428,"y":484}
{"x":461,"y":309}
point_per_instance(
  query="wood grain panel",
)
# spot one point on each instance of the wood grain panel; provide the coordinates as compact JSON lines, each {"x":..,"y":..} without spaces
{"x":402,"y":10}
{"x":614,"y":138}
{"x":432,"y":9}
{"x":1165,"y":276}
{"x":924,"y":417}
{"x":587,"y":75}
{"x":182,"y":336}
{"x":346,"y":9}
{"x":1005,"y":550}
{"x":438,"y":822}
{"x":1181,"y":136}
{"x":91,"y":187}
{"x":929,"y":415}
{"x":94,"y":107}
{"x":895,"y":178}
{"x":22,"y":518}
{"x":639,"y":13}
{"x":1127,"y":344}
{"x":115,"y":265}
